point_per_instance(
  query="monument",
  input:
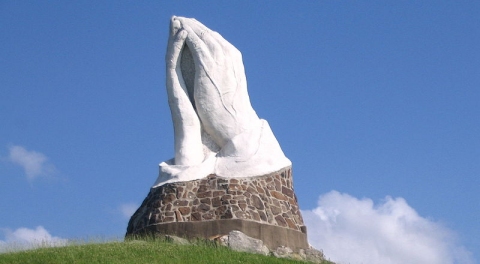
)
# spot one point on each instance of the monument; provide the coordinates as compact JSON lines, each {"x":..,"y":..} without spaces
{"x":229,"y":171}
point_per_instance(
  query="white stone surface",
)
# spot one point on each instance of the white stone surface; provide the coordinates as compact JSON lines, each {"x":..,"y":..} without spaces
{"x":216,"y":129}
{"x":238,"y":241}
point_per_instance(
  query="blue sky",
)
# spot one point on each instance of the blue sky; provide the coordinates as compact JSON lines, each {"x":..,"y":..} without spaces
{"x":376,"y":103}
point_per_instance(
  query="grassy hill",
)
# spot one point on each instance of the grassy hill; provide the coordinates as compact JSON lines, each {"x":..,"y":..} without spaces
{"x":138,"y":252}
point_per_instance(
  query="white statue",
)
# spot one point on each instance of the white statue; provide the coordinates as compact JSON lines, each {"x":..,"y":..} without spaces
{"x":216,"y":129}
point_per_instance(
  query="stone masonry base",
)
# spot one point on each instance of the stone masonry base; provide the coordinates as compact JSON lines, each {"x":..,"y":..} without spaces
{"x":263,"y":207}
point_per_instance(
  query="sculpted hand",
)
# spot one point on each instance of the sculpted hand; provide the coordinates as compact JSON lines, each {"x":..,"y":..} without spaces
{"x":219,"y":87}
{"x":216,"y":129}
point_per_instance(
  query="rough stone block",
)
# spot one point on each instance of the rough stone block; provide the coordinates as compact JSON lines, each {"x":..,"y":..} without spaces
{"x":238,"y":241}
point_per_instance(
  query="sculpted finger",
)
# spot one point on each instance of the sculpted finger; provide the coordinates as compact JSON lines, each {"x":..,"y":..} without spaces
{"x":198,"y":48}
{"x":196,"y":26}
{"x":211,"y":41}
{"x":174,"y":48}
{"x":175,"y":25}
{"x":176,"y":88}
{"x":205,"y":34}
{"x":175,"y":83}
{"x":200,"y":29}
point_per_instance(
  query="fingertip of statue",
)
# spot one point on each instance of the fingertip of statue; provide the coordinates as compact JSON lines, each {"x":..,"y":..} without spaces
{"x":182,"y":34}
{"x":174,"y":25}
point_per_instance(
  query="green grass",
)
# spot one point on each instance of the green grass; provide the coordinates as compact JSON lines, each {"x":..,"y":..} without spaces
{"x":137,"y":252}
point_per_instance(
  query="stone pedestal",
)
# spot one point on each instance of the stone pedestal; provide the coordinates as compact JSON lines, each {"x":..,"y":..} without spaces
{"x":263,"y":207}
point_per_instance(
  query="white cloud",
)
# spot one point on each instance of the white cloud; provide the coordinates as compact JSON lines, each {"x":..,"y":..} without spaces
{"x":128,"y":209}
{"x":351,"y":230}
{"x":34,"y":163}
{"x":25,"y":238}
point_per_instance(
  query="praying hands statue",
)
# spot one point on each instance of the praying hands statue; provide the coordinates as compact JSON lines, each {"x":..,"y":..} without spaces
{"x":216,"y":129}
